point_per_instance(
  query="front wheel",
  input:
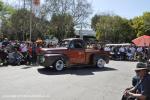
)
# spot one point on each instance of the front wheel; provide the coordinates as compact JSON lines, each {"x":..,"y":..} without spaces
{"x":59,"y":65}
{"x":100,"y":63}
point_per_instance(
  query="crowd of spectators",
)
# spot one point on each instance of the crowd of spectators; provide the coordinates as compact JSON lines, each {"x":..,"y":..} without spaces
{"x":20,"y":52}
{"x":129,"y":52}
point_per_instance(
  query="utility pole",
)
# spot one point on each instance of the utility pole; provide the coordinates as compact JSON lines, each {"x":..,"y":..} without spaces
{"x":31,"y":20}
{"x":24,"y":4}
{"x":23,"y":32}
{"x":80,"y":32}
{"x":35,"y":3}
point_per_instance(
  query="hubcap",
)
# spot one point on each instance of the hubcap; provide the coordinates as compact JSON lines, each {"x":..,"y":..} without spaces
{"x":100,"y":63}
{"x":59,"y":65}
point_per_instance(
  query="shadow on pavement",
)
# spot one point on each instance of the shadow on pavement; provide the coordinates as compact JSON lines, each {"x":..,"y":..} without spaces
{"x":29,"y":66}
{"x":74,"y":70}
{"x":26,"y":67}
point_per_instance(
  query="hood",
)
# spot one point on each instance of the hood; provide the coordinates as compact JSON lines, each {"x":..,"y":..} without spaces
{"x":53,"y":50}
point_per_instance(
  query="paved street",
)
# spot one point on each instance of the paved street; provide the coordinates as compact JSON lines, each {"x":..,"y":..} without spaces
{"x":38,"y":83}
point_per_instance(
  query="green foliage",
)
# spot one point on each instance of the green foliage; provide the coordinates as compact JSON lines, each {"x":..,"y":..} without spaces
{"x":18,"y":26}
{"x":63,"y":14}
{"x":5,"y":13}
{"x":138,"y":25}
{"x":62,"y":26}
{"x":116,"y":29}
{"x":141,"y":24}
{"x":111,"y":28}
{"x":78,"y":9}
{"x":94,"y":21}
{"x":1,"y":5}
{"x":146,"y":18}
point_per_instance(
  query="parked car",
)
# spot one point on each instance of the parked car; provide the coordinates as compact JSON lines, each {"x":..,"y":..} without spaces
{"x":72,"y":51}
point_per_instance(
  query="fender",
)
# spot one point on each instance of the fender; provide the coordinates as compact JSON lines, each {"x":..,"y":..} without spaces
{"x":105,"y":57}
{"x":51,"y":58}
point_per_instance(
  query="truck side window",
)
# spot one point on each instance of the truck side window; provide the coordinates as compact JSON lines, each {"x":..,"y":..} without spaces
{"x":72,"y":45}
{"x":77,"y":44}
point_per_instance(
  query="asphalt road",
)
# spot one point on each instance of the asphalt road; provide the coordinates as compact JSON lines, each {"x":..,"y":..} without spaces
{"x":88,"y":83}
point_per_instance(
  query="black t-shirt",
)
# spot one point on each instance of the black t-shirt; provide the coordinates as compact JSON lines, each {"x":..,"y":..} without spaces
{"x":135,"y":80}
{"x":144,"y":86}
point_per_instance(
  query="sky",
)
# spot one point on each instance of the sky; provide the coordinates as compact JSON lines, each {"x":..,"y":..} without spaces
{"x":124,"y":8}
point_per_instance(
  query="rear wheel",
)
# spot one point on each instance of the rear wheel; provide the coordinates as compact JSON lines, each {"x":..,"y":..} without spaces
{"x":100,"y":63}
{"x":59,"y":65}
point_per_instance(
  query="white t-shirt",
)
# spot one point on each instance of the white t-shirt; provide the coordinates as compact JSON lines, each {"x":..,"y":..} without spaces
{"x":23,"y":48}
{"x":132,"y":50}
{"x":139,"y":49}
{"x":122,"y":49}
{"x":106,"y":49}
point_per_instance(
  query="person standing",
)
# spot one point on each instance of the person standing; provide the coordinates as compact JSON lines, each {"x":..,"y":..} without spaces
{"x":33,"y":53}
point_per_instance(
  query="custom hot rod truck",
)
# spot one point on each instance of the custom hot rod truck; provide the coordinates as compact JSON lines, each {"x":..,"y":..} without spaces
{"x":72,"y":51}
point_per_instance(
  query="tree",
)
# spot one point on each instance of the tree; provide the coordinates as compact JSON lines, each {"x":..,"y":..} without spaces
{"x":1,"y":5}
{"x":78,"y":9}
{"x":146,"y":18}
{"x":141,"y":24}
{"x":62,"y":26}
{"x":5,"y":13}
{"x":138,"y":25}
{"x":72,"y":12}
{"x":19,"y":26}
{"x":94,"y":21}
{"x":110,"y":28}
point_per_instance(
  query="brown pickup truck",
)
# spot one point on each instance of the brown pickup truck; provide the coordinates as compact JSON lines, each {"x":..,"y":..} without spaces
{"x":72,"y":51}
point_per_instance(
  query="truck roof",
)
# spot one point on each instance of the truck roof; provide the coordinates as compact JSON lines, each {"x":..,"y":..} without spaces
{"x":69,"y":39}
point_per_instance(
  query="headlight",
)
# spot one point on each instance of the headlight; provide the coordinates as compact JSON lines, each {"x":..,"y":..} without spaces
{"x":42,"y":59}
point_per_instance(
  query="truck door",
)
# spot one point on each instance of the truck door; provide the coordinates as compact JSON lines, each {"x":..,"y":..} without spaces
{"x":77,"y":52}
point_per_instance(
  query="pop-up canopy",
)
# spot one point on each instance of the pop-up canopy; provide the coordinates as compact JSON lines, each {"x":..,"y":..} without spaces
{"x":142,"y":41}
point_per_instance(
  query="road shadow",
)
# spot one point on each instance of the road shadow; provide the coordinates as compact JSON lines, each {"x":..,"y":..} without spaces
{"x":74,"y":70}
{"x":29,"y":66}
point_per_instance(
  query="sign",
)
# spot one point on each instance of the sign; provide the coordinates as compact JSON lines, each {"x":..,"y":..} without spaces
{"x":36,"y":2}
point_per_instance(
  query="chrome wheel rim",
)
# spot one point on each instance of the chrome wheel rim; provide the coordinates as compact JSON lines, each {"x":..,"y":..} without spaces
{"x":59,"y":65}
{"x":100,"y":63}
